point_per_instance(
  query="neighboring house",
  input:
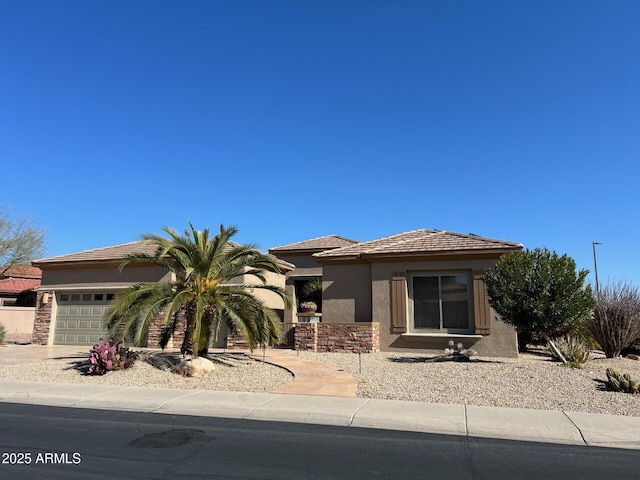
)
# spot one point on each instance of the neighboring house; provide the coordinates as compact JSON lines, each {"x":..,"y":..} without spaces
{"x":414,"y":291}
{"x":77,"y":289}
{"x":18,"y":291}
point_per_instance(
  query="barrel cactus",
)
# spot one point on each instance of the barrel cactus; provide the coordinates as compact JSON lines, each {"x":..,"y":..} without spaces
{"x":622,"y":383}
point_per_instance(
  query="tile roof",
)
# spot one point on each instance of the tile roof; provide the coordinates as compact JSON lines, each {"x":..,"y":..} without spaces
{"x":420,"y":242}
{"x":321,"y":243}
{"x":18,"y":285}
{"x":116,"y":253}
{"x":21,"y":271}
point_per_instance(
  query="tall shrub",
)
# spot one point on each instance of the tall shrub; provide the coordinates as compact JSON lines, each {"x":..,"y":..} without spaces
{"x":539,"y":293}
{"x":616,"y":317}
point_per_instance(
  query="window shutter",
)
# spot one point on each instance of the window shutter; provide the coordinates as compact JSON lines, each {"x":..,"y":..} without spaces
{"x":399,"y":302}
{"x":481,"y":305}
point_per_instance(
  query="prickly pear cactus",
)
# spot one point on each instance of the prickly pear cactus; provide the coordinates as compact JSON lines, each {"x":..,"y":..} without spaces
{"x":622,"y":383}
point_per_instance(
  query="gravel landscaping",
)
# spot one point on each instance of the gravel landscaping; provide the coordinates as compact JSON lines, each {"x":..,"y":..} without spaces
{"x":234,"y":372}
{"x":531,"y":381}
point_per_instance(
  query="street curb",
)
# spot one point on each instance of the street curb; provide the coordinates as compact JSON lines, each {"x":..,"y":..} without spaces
{"x":558,"y":427}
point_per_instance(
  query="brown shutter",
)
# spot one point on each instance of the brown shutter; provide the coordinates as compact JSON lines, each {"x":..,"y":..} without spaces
{"x":481,"y":306}
{"x":399,"y":302}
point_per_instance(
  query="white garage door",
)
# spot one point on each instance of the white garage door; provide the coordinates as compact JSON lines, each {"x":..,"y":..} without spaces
{"x":79,"y":317}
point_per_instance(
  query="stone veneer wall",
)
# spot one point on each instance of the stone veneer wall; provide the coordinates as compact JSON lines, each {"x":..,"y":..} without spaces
{"x":42,"y":321}
{"x":360,"y":337}
{"x":236,"y":340}
{"x":155,"y":332}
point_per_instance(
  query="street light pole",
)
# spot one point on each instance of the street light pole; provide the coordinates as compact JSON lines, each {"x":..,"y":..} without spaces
{"x":595,"y":262}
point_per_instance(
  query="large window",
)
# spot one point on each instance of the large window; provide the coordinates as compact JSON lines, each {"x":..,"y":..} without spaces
{"x":441,"y":302}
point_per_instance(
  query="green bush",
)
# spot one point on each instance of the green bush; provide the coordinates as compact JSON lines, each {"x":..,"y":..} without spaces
{"x":573,"y":348}
{"x":2,"y":332}
{"x":585,"y":335}
{"x":540,"y":293}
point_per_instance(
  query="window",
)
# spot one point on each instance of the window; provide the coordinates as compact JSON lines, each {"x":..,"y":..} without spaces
{"x":309,"y":290}
{"x":98,"y":297}
{"x":110,"y":296}
{"x":441,"y":302}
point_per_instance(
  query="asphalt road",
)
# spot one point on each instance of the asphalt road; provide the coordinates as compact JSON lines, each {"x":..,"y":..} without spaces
{"x":39,"y":442}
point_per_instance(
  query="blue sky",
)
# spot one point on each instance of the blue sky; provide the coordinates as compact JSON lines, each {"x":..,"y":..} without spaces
{"x":297,"y":119}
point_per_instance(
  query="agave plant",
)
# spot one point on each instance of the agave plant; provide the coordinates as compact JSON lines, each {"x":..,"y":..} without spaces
{"x":572,"y":348}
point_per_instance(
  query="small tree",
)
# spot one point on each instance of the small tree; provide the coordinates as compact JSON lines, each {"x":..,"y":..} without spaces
{"x":203,"y":293}
{"x":539,"y":292}
{"x":616,"y":317}
{"x":20,"y":241}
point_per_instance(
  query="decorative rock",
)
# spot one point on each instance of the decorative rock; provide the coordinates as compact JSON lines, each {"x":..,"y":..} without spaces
{"x":195,"y":367}
{"x":633,"y":356}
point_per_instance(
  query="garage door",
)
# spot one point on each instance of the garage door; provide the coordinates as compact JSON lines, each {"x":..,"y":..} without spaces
{"x":79,"y":317}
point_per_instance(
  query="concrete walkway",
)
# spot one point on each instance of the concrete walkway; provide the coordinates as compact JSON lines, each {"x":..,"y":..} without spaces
{"x":310,"y":378}
{"x":328,"y":400}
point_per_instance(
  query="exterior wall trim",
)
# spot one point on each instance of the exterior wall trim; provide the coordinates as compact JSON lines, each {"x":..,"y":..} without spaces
{"x":421,"y":336}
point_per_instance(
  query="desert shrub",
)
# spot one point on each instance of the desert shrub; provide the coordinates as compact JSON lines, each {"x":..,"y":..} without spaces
{"x":540,"y":293}
{"x":616,"y":317}
{"x":110,"y":355}
{"x":634,"y":348}
{"x":619,"y":382}
{"x":2,"y":333}
{"x":573,"y":348}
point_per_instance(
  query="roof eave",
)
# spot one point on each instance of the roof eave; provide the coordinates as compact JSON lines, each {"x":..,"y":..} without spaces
{"x":436,"y":253}
{"x":69,"y":263}
{"x":430,"y":254}
{"x":305,"y":251}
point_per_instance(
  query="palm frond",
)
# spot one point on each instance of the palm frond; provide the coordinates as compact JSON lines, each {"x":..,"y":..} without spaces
{"x":202,"y":293}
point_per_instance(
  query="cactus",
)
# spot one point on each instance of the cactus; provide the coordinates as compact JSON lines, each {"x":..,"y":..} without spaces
{"x":622,"y":383}
{"x":110,"y":355}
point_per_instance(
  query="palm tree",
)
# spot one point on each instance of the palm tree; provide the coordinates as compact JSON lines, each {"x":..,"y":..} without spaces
{"x":202,"y":293}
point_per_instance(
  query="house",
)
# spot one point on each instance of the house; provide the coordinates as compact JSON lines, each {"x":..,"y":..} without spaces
{"x":77,"y":289}
{"x":18,"y":290}
{"x":411,"y":292}
{"x":307,"y":269}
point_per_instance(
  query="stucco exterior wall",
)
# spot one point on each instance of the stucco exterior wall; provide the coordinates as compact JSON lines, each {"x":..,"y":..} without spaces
{"x":501,"y":342}
{"x":18,"y":323}
{"x":346,"y":293}
{"x":270,"y":299}
{"x":101,"y":277}
{"x":305,"y":264}
{"x":362,"y":293}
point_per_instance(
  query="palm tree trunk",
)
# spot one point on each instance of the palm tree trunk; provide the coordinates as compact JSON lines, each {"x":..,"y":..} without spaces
{"x":203,"y":347}
{"x":188,"y":344}
{"x":205,"y":335}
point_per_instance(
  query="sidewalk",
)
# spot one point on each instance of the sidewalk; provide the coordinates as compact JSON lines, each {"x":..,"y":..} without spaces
{"x":329,"y":399}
